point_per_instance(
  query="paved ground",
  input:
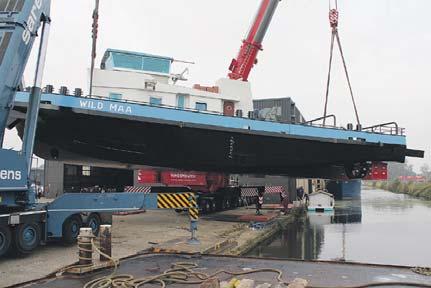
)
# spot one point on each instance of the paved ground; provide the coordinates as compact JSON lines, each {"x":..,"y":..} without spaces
{"x":131,"y":234}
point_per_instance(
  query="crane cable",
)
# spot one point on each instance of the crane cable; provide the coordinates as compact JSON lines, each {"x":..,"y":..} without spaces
{"x":95,"y":27}
{"x":333,"y":20}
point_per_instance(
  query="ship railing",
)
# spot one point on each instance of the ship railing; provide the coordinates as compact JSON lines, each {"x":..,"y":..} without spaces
{"x":313,"y":122}
{"x":390,"y":128}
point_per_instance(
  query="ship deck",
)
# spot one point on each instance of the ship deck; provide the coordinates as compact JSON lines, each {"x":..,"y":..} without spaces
{"x":321,"y":274}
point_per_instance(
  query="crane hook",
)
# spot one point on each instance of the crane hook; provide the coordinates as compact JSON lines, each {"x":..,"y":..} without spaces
{"x":333,"y":18}
{"x":333,"y":14}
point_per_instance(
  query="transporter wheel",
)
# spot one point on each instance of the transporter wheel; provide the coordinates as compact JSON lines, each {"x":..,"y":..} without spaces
{"x":26,"y":238}
{"x":234,"y":203}
{"x":213,"y":206}
{"x":240,"y":202}
{"x":5,"y":240}
{"x":208,"y":206}
{"x":203,"y":206}
{"x":358,"y":170}
{"x":218,"y":205}
{"x":94,"y":222}
{"x":71,"y":229}
{"x":226,"y":204}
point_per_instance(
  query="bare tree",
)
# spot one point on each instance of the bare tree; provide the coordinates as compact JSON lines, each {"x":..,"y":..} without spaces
{"x":395,"y":170}
{"x":426,"y":171}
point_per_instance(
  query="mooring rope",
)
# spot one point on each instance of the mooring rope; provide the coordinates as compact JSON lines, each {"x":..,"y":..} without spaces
{"x":185,"y":273}
{"x":179,"y":273}
{"x":379,"y":284}
{"x":422,"y":271}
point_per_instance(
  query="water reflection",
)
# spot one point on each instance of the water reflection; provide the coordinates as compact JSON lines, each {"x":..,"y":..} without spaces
{"x":382,"y":227}
{"x":304,"y":240}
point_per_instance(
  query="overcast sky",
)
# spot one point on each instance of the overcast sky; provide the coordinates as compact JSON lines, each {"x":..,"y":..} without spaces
{"x":387,"y":44}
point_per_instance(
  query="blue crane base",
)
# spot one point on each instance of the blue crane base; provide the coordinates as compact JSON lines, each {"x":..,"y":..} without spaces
{"x":70,"y":204}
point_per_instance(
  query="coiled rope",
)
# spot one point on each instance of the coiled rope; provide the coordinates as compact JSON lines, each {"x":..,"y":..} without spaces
{"x":422,"y":271}
{"x":180,"y":273}
{"x":185,"y":273}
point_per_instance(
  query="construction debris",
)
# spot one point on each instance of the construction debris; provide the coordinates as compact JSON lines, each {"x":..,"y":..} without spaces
{"x":211,"y":283}
{"x":298,"y":283}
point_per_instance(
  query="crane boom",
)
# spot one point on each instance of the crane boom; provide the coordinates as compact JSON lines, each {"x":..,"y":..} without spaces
{"x":241,"y":66}
{"x":19,"y":23}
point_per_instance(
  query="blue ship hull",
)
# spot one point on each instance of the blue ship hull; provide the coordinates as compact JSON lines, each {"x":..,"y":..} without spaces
{"x":77,"y":129}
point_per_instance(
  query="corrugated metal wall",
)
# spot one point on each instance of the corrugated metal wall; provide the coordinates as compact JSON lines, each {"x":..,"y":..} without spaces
{"x":288,"y":183}
{"x":278,"y":109}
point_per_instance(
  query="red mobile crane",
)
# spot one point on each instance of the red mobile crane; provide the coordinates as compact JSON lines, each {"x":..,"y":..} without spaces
{"x":247,"y":57}
{"x":241,"y":66}
{"x":214,"y":189}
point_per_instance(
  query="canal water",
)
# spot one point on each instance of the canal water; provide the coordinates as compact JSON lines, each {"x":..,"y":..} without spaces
{"x":381,"y":228}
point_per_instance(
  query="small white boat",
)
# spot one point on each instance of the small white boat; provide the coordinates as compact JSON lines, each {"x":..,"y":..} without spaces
{"x":321,"y":201}
{"x":320,"y":219}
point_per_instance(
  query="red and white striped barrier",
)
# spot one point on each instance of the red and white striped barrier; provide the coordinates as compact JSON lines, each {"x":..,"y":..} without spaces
{"x":248,"y":192}
{"x":253,"y":191}
{"x":138,"y":189}
{"x":274,"y":189}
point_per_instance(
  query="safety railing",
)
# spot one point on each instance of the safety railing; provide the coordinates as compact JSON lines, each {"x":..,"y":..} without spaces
{"x":332,"y":116}
{"x":390,"y":128}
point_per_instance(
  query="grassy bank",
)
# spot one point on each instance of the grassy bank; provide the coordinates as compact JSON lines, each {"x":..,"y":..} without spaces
{"x":422,"y":190}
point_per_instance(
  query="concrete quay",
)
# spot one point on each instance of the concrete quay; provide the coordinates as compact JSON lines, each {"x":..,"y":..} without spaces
{"x":159,"y":230}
